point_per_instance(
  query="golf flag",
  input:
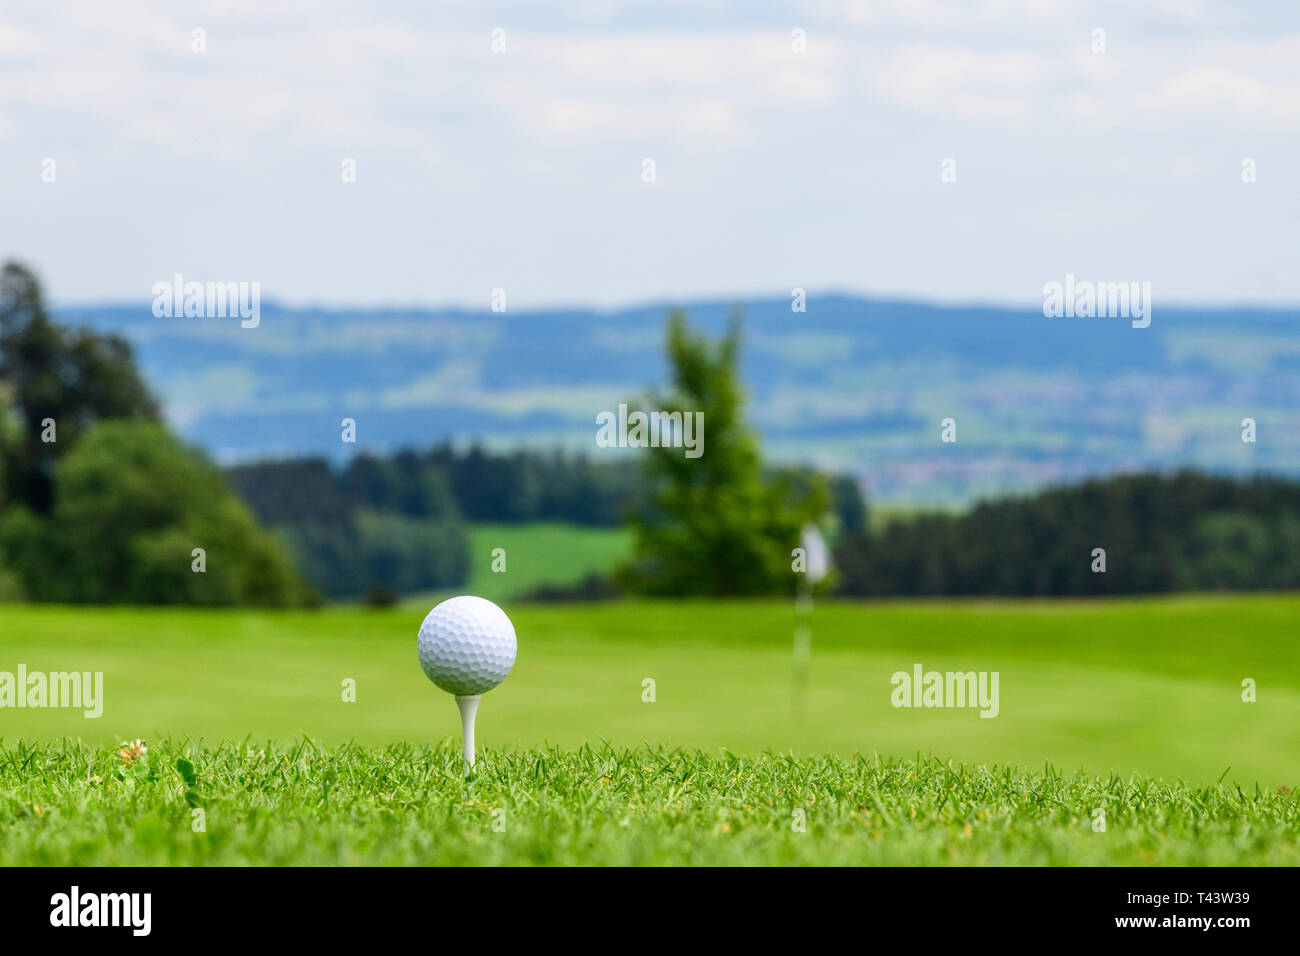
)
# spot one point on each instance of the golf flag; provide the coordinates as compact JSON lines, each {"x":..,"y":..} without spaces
{"x":818,"y":555}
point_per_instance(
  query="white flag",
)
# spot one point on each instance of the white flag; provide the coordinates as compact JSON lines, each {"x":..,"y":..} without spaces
{"x":819,"y":556}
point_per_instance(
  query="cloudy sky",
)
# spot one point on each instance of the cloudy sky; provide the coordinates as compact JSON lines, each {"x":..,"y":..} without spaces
{"x":774,"y":168}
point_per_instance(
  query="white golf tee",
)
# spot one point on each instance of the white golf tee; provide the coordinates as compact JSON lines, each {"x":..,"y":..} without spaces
{"x":468,"y":704}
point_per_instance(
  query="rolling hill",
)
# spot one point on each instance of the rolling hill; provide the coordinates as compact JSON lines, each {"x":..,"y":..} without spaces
{"x":851,"y":383}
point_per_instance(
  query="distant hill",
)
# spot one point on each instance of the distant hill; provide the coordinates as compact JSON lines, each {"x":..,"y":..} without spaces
{"x":854,"y":384}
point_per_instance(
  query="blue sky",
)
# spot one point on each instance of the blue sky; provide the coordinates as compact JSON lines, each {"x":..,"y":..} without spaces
{"x":774,"y":169}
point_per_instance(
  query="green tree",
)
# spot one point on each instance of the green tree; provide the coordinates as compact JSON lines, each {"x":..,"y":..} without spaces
{"x":409,"y":554}
{"x":10,"y":586}
{"x":131,"y":504}
{"x":849,"y":505}
{"x":10,"y":437}
{"x":73,"y":377}
{"x":715,"y":526}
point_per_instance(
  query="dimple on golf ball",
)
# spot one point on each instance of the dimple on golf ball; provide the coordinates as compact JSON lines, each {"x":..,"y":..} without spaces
{"x":466,"y":645}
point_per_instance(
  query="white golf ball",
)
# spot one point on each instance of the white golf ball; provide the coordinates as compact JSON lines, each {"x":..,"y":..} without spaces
{"x":466,"y":645}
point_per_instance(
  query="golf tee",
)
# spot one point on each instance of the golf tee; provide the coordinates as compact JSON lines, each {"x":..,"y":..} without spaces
{"x":468,"y":704}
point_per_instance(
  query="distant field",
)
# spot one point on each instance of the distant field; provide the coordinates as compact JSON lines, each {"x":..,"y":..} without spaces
{"x":1148,"y":686}
{"x":880,"y":515}
{"x":537,"y":553}
{"x":304,"y":803}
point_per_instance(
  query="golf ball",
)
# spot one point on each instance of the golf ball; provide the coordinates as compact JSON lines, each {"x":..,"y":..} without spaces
{"x":466,"y":645}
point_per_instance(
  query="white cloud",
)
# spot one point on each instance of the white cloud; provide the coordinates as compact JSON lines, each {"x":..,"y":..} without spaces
{"x":1256,"y":87}
{"x":479,"y":170}
{"x":17,"y":44}
{"x":948,"y":13}
{"x":682,"y":86}
{"x":972,"y":84}
{"x":1183,"y":87}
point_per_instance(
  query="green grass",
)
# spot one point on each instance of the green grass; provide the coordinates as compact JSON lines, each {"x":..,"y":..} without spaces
{"x":882,"y":513}
{"x":536,"y":553}
{"x":308,"y":804}
{"x":1149,"y":687}
{"x":1140,"y":695}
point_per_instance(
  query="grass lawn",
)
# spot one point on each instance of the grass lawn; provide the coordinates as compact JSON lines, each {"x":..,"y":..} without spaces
{"x":308,"y":804}
{"x":536,"y":553}
{"x":1150,"y":686}
{"x":1131,"y":706}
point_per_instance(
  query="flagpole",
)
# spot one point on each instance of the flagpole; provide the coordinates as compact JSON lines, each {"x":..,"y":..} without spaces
{"x":802,"y":657}
{"x":815,"y":567}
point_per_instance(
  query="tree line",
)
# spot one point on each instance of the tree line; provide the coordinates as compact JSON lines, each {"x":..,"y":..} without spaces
{"x":99,"y":501}
{"x":398,"y":523}
{"x":1143,"y":533}
{"x":443,"y":482}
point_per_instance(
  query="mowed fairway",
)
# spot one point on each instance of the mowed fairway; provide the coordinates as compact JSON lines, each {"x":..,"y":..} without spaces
{"x":1149,"y":686}
{"x":534,"y":554}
